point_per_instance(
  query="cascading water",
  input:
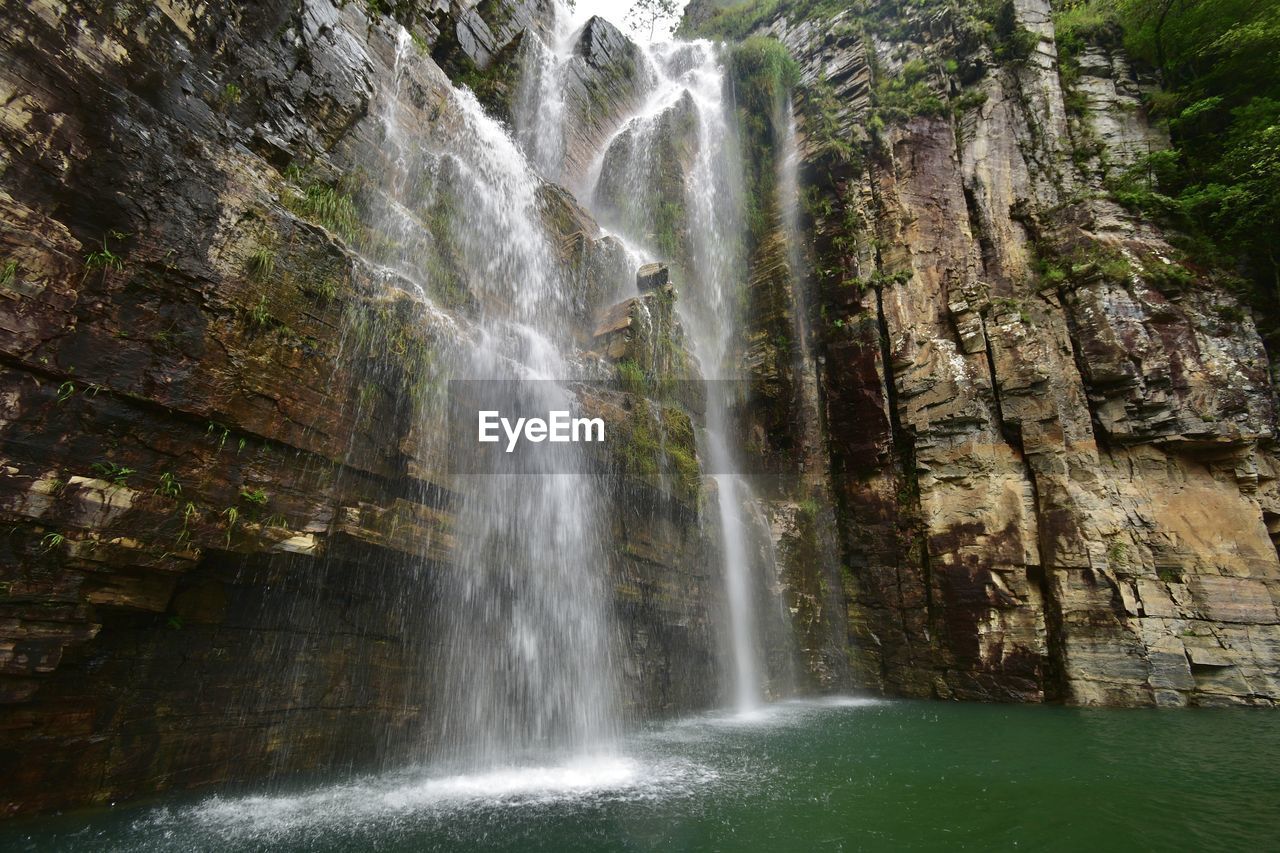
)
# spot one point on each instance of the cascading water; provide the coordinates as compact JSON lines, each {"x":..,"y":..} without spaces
{"x":526,"y":669}
{"x":669,"y":180}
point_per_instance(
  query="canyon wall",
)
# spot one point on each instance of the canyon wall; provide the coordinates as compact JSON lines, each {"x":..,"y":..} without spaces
{"x":1025,"y":446}
{"x":1051,"y":433}
{"x":225,"y":511}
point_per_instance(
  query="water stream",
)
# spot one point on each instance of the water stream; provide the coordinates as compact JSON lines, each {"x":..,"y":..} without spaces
{"x":527,"y":673}
{"x":669,"y":180}
{"x":530,"y":750}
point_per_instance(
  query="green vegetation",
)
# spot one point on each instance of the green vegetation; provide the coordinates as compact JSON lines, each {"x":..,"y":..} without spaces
{"x":763,"y":74}
{"x":1088,"y":262}
{"x":658,"y":448}
{"x":968,"y":100}
{"x":116,"y":475}
{"x":1220,"y":182}
{"x":390,"y":336}
{"x":443,"y":261}
{"x":255,"y":497}
{"x":632,"y":378}
{"x":907,"y":94}
{"x":737,"y":20}
{"x":232,"y":515}
{"x":229,"y":96}
{"x":189,"y":512}
{"x":328,"y":204}
{"x":52,"y":541}
{"x":66,"y":391}
{"x":218,"y":433}
{"x":262,"y":264}
{"x":259,"y":314}
{"x":104,"y":259}
{"x":323,"y":290}
{"x":8,"y":273}
{"x":169,"y":486}
{"x":1010,"y":41}
{"x":830,"y":142}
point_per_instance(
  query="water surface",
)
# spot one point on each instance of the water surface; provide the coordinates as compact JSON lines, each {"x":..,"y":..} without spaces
{"x":830,"y":775}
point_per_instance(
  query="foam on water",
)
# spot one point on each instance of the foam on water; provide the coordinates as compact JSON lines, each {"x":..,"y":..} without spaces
{"x":415,"y":796}
{"x":612,"y":777}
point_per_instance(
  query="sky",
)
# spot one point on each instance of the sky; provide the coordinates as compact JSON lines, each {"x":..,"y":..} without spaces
{"x":614,"y":11}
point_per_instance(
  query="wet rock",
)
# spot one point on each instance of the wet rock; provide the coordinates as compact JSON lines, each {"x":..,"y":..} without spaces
{"x":1049,"y":410}
{"x":645,"y":331}
{"x":605,"y":81}
{"x":652,"y":276}
{"x":223,"y":472}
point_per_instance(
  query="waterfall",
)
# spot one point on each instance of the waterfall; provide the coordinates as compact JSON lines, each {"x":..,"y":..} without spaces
{"x":540,"y":102}
{"x":527,"y":652}
{"x":527,"y":662}
{"x":669,"y":181}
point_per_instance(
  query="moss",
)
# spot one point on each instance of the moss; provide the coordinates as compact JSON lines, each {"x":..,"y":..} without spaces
{"x":391,"y":339}
{"x":328,"y":204}
{"x":907,"y":94}
{"x":632,"y":378}
{"x":657,"y":447}
{"x":229,"y":96}
{"x":763,"y":74}
{"x":443,"y":263}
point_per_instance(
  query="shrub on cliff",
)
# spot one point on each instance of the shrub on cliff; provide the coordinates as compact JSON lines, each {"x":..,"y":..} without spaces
{"x":1221,"y":181}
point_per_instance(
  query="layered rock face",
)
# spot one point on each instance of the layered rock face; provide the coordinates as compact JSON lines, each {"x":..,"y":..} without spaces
{"x":1027,"y":447}
{"x":1051,"y":437}
{"x":227,"y":506}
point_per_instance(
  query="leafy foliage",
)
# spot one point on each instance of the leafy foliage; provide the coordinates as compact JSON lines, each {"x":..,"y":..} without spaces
{"x":116,"y":475}
{"x":1221,"y":181}
{"x":649,"y":13}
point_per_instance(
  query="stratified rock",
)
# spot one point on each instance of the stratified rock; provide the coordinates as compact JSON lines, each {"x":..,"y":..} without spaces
{"x":1051,"y":436}
{"x":224,"y":475}
{"x":606,"y":81}
{"x":652,"y":276}
{"x":645,"y":331}
{"x":642,"y":178}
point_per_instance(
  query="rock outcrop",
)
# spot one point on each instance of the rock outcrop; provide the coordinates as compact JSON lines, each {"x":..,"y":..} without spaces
{"x":221,"y":487}
{"x":1022,"y":447}
{"x":1051,"y":434}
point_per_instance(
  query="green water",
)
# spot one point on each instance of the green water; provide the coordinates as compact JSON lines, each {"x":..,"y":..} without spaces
{"x":817,"y":776}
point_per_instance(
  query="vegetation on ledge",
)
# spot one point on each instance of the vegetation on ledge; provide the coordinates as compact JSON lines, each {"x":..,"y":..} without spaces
{"x":1220,"y":182}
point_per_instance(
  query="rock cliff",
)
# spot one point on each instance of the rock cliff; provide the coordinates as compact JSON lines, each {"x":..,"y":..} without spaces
{"x":1051,"y":434}
{"x":1027,"y":446}
{"x":224,"y":507}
